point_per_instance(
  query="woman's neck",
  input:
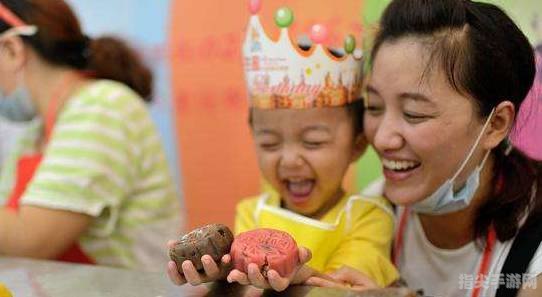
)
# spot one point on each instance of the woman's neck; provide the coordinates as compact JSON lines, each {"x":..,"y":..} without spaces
{"x":58,"y":83}
{"x":450,"y":231}
{"x":45,"y":80}
{"x":50,"y":87}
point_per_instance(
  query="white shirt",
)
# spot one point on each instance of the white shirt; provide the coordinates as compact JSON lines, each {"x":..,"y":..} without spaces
{"x":451,"y":273}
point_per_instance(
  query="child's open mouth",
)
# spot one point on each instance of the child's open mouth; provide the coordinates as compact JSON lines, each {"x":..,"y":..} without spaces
{"x":300,"y":190}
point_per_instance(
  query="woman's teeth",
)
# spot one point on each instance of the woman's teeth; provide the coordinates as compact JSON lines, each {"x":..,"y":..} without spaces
{"x":399,"y":165}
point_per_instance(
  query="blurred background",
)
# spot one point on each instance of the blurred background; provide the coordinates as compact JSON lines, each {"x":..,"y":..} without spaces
{"x":200,"y":107}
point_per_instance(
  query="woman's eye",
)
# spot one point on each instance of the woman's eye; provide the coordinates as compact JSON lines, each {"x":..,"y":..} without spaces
{"x":313,"y":144}
{"x":415,"y":117}
{"x":374,"y":109}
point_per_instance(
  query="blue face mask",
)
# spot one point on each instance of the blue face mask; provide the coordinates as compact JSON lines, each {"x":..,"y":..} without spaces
{"x":17,"y":106}
{"x":444,"y":200}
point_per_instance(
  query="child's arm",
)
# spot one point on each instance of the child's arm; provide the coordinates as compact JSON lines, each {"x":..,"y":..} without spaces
{"x":367,"y":247}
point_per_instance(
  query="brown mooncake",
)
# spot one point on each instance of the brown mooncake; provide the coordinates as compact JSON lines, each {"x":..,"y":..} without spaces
{"x":214,"y":240}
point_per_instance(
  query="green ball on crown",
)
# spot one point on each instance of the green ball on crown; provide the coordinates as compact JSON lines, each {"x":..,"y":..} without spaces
{"x":349,"y":44}
{"x":284,"y":17}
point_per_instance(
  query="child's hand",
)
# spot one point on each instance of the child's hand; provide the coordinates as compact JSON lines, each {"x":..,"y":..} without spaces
{"x":273,"y":280}
{"x":190,"y":275}
{"x":344,"y":277}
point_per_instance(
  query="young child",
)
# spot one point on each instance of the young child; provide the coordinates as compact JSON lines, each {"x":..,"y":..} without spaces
{"x":306,"y":122}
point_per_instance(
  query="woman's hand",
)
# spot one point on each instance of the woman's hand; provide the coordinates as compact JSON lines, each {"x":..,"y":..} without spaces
{"x":344,"y":277}
{"x":274,"y":280}
{"x":190,"y":275}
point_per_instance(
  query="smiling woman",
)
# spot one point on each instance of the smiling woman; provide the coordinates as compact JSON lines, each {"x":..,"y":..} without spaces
{"x":447,"y":78}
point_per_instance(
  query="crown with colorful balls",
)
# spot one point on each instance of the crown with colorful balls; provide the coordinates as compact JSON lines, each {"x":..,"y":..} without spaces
{"x":285,"y":74}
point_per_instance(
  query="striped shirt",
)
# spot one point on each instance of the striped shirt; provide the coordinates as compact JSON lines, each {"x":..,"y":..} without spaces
{"x":105,"y":159}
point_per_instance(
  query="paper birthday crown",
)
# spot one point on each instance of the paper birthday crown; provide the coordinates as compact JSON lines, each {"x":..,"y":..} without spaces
{"x":283,"y":74}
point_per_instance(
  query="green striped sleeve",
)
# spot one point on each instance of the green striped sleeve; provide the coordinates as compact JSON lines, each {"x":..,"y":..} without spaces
{"x":87,"y":163}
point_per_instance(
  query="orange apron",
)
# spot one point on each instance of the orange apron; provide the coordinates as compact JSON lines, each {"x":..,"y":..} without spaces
{"x":26,"y":168}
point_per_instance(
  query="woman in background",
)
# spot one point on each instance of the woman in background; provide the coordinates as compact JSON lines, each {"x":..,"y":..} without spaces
{"x":89,"y":182}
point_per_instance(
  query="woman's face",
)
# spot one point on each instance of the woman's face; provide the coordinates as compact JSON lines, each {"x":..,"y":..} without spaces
{"x":421,"y":128}
{"x":7,"y":73}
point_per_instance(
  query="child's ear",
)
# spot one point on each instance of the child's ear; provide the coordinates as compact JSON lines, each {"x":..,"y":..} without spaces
{"x":360,"y":146}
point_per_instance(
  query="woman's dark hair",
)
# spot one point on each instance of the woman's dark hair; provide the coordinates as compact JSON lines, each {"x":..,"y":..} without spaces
{"x":356,"y":110}
{"x":60,"y":41}
{"x":485,"y":56}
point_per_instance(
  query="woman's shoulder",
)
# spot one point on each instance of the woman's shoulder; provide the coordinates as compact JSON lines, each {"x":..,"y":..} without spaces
{"x":525,"y":244}
{"x":105,"y":92}
{"x":107,"y":102}
{"x":535,"y":266}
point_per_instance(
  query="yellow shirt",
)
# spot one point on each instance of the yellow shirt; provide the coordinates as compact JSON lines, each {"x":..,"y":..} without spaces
{"x":4,"y":292}
{"x":356,"y":232}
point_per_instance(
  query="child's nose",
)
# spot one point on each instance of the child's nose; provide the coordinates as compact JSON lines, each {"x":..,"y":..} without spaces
{"x":291,"y":159}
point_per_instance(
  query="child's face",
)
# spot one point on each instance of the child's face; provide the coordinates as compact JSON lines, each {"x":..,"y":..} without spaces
{"x":304,"y":154}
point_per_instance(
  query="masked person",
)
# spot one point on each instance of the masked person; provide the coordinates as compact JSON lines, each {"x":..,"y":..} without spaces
{"x":89,"y":181}
{"x":447,"y":79}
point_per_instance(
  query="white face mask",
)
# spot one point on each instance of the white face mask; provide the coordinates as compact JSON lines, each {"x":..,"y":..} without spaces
{"x":444,"y":200}
{"x":17,"y":106}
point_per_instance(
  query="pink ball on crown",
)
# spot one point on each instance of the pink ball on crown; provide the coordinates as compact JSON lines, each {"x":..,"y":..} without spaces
{"x":254,"y":6}
{"x":319,"y":33}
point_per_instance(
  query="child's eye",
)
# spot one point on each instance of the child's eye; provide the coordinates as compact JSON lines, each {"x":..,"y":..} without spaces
{"x":313,"y":144}
{"x":269,"y":146}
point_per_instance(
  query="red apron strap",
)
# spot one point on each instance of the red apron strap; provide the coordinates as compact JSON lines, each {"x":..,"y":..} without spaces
{"x":26,"y":167}
{"x":76,"y":255}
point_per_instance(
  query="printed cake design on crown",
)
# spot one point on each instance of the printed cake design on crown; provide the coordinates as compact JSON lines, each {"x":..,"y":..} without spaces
{"x":281,"y":74}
